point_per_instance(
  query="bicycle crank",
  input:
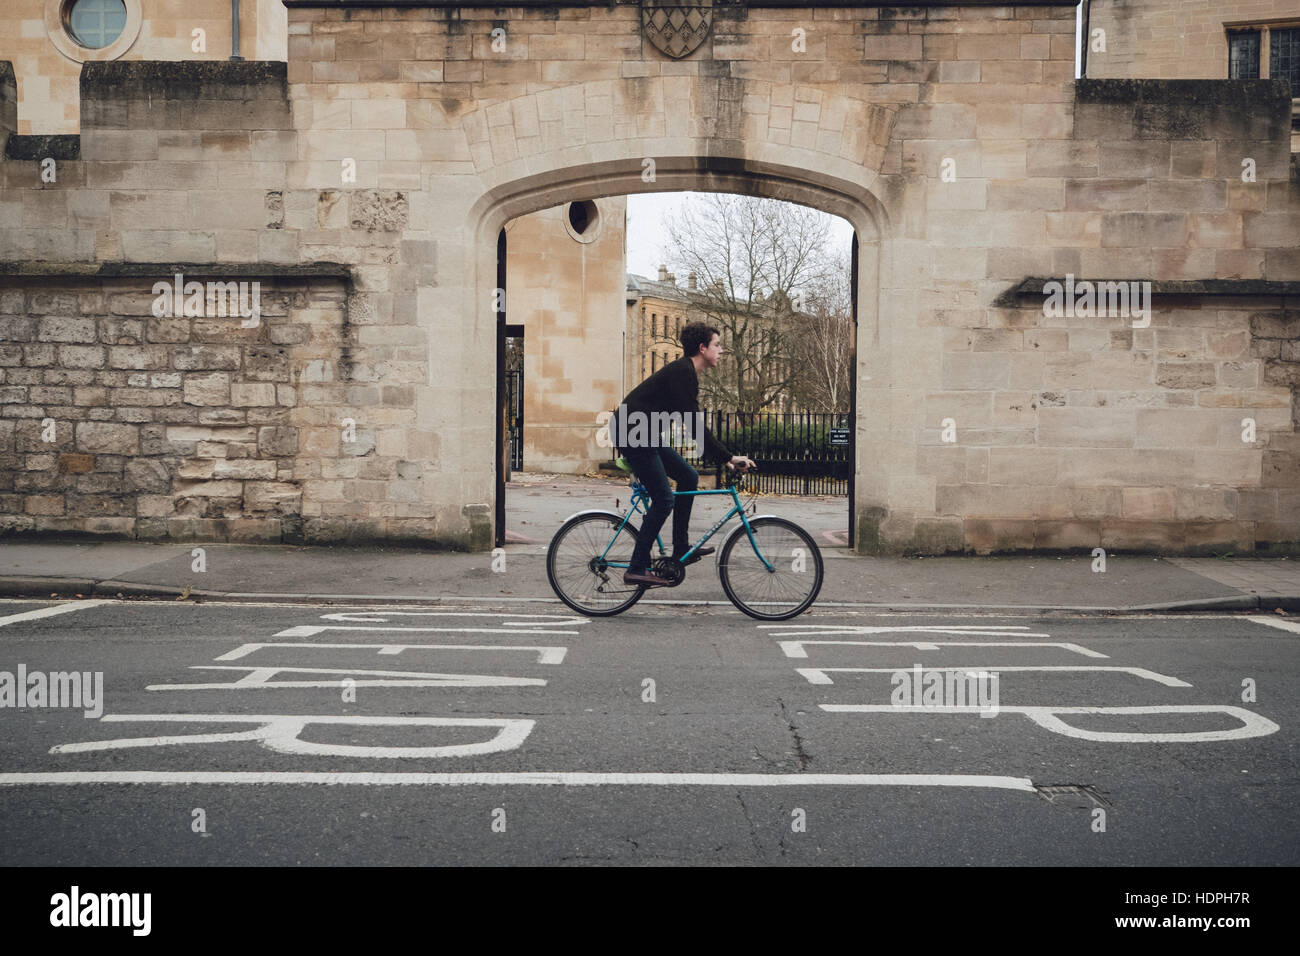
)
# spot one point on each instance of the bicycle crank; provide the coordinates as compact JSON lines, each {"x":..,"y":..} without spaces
{"x":671,"y":570}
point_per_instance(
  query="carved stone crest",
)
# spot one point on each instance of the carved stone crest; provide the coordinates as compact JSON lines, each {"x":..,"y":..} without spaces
{"x":676,"y":27}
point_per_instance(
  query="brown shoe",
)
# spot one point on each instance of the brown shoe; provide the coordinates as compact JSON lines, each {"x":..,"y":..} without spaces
{"x":645,"y":579}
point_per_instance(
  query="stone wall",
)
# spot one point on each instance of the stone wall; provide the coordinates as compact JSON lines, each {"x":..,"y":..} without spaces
{"x":953,"y":138}
{"x":47,"y":63}
{"x":569,"y":296}
{"x":120,"y":421}
{"x":1174,"y":39}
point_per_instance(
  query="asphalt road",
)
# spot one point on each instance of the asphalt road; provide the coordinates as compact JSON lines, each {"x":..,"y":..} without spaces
{"x":731,"y":733}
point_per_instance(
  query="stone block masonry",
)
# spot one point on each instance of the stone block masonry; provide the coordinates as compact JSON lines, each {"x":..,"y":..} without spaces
{"x":114,"y":420}
{"x":400,"y":139}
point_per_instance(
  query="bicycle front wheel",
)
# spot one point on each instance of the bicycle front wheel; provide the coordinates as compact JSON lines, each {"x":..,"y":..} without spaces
{"x":586,"y":570}
{"x":778,"y":581}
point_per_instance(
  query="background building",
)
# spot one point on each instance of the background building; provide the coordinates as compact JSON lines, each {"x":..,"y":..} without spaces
{"x":48,"y":40}
{"x":657,"y":311}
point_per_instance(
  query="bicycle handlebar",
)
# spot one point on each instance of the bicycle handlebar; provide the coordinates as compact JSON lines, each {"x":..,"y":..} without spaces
{"x":734,"y":475}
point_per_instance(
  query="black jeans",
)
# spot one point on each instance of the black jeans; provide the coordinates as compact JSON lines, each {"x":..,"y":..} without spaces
{"x":653,"y":467}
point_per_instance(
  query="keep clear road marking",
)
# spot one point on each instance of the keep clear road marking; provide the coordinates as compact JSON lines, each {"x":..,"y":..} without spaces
{"x":260,"y":678}
{"x":1292,"y":626}
{"x":523,"y":778}
{"x":545,"y":655}
{"x":516,"y":620}
{"x":1252,"y":724}
{"x":280,"y":733}
{"x":818,"y":675}
{"x":52,"y":611}
{"x":799,"y":648}
{"x":311,"y":630}
{"x":975,"y":630}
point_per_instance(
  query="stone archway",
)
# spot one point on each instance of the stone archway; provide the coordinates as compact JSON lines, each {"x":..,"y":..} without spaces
{"x":709,"y":174}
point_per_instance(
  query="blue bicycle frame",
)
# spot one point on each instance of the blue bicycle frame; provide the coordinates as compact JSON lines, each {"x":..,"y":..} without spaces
{"x":640,"y":497}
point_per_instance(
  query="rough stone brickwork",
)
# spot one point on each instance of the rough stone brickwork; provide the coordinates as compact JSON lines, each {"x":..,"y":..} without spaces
{"x":161,"y":427}
{"x":953,"y":138}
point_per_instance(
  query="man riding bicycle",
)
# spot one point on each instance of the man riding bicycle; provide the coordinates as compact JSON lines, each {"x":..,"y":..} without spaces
{"x":670,"y":394}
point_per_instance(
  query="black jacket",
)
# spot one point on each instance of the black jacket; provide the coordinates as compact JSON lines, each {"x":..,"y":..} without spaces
{"x":674,"y":388}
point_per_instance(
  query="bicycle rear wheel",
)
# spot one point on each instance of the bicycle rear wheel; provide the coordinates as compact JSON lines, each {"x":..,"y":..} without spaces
{"x":578,"y":564}
{"x":789,"y":587}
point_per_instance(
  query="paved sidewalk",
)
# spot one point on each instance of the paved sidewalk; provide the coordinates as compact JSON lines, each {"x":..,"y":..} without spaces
{"x":538,"y":504}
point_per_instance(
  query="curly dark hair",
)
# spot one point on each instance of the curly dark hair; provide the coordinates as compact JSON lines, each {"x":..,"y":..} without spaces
{"x":695,"y":335}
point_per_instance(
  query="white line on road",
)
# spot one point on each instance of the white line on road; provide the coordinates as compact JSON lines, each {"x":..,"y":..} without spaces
{"x":980,"y":630}
{"x":1292,"y":626}
{"x":545,"y":655}
{"x":259,"y":678}
{"x":280,"y":733}
{"x":817,"y":675}
{"x":523,"y":778}
{"x":311,"y":630}
{"x":371,"y":616}
{"x":51,"y":611}
{"x":797,"y":648}
{"x":1252,"y":724}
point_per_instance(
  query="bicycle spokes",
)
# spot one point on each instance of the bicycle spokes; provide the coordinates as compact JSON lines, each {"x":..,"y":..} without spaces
{"x":586,"y":562}
{"x":775,"y":575}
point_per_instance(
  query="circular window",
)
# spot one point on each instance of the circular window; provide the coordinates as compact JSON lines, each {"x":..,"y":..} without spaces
{"x":582,"y":220}
{"x":85,"y":30}
{"x":95,"y":24}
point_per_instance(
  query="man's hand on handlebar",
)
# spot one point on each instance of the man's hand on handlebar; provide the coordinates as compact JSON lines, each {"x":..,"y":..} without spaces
{"x":741,"y":463}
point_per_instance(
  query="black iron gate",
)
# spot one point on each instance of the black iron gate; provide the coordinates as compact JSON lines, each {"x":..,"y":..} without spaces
{"x":797,"y":453}
{"x":515,"y":400}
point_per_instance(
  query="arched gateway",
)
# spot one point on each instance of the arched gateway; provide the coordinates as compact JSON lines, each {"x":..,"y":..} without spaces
{"x":367,"y":187}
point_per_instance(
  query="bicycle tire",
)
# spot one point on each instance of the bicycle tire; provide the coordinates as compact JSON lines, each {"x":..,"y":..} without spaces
{"x":741,"y":571}
{"x":585,"y":537}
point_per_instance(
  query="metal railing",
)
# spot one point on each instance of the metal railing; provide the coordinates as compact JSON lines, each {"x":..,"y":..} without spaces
{"x":797,"y":453}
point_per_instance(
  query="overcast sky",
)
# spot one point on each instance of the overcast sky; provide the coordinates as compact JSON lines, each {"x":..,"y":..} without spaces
{"x":646,"y":237}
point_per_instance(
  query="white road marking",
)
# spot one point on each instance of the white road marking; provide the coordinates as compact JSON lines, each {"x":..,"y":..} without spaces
{"x":975,"y":630}
{"x":515,"y":779}
{"x":378,"y":617}
{"x":259,"y":678}
{"x":1252,"y":724}
{"x":51,"y":611}
{"x":796,"y":648}
{"x":1292,"y":626}
{"x":545,"y":655}
{"x":279,"y":733}
{"x":817,"y":675}
{"x":311,"y":630}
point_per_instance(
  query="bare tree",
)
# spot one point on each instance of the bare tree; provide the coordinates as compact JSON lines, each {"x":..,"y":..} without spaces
{"x":753,"y":259}
{"x":824,"y":348}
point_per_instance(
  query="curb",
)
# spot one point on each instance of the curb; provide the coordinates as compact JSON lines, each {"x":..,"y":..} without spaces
{"x":42,"y":588}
